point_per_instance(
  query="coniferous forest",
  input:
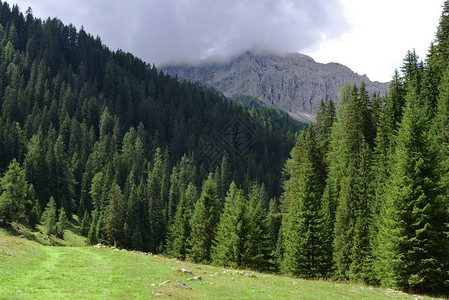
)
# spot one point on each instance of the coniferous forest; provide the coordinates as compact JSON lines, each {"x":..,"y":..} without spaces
{"x":150,"y":163}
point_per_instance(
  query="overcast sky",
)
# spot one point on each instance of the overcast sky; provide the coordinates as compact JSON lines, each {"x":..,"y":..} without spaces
{"x":371,"y":37}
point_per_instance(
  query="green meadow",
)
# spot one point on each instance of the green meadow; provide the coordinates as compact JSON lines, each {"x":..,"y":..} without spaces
{"x":32,"y":269}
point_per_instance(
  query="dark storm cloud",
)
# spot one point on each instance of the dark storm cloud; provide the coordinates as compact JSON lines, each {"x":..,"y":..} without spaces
{"x":163,"y":31}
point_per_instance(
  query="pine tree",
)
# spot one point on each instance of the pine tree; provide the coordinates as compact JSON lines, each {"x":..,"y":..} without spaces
{"x":361,"y":252}
{"x":348,"y":203}
{"x":180,"y":230}
{"x":85,"y":224}
{"x":92,"y":237}
{"x":335,"y":167}
{"x":114,"y":219}
{"x":156,"y":207}
{"x":137,"y":243}
{"x":62,"y":223}
{"x":49,"y":217}
{"x":32,"y":208}
{"x":306,"y":240}
{"x":229,"y":240}
{"x":204,"y":222}
{"x":324,"y":121}
{"x":258,"y":252}
{"x":274,"y":222}
{"x":13,"y":193}
{"x":440,"y":128}
{"x":413,"y":246}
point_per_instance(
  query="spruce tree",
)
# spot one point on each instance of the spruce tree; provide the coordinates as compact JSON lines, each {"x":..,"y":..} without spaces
{"x":156,"y":207}
{"x":306,"y":241}
{"x":361,"y":252}
{"x":413,"y":246}
{"x":92,"y":237}
{"x":85,"y":223}
{"x":32,"y":208}
{"x":348,"y":202}
{"x":324,"y":121}
{"x":258,"y":252}
{"x":62,"y":223}
{"x":335,"y":167}
{"x":49,"y":217}
{"x":204,"y":222}
{"x":180,"y":230}
{"x":13,"y":193}
{"x":115,"y":216}
{"x":230,"y":237}
{"x":274,"y":219}
{"x":440,"y":128}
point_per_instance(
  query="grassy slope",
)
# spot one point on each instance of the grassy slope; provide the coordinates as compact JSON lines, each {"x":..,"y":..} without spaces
{"x":29,"y":270}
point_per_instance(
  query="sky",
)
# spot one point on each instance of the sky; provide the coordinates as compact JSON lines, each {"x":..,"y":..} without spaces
{"x":369,"y":36}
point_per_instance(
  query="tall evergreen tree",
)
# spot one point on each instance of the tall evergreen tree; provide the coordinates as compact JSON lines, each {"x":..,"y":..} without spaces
{"x":306,"y":240}
{"x":204,"y":222}
{"x":115,"y":215}
{"x":413,"y":233}
{"x":156,"y":207}
{"x":230,"y":236}
{"x":258,"y":251}
{"x":49,"y":217}
{"x":180,"y":230}
{"x":353,"y":140}
{"x":62,"y":223}
{"x":13,"y":193}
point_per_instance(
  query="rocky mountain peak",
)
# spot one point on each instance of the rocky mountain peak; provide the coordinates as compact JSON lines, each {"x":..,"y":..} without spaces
{"x":292,"y":82}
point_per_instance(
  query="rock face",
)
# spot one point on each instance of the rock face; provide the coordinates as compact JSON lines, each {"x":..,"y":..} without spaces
{"x":294,"y":83}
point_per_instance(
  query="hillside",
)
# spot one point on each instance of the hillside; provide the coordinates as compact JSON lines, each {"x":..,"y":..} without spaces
{"x":294,"y":83}
{"x":29,"y":270}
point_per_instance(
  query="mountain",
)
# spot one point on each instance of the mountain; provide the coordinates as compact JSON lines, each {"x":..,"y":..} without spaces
{"x":294,"y":83}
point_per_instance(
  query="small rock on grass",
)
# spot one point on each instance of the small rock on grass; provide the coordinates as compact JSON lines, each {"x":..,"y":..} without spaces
{"x":183,"y":285}
{"x":195,"y":278}
{"x":165,"y":282}
{"x":156,"y":293}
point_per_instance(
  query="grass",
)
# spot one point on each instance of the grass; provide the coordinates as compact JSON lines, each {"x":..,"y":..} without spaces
{"x":29,"y":270}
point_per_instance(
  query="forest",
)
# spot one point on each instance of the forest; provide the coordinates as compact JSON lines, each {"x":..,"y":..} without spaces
{"x":150,"y":163}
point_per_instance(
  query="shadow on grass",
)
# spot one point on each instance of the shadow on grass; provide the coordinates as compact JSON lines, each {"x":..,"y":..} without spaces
{"x":15,"y":229}
{"x":37,"y":235}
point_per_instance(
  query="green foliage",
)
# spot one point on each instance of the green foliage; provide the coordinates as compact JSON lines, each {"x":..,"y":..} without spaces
{"x":351,"y":198}
{"x":204,"y":222}
{"x":32,"y":209}
{"x":230,"y":236}
{"x":413,"y":235}
{"x":259,"y":246}
{"x":114,"y":220}
{"x":62,"y":223}
{"x":85,"y":224}
{"x":180,"y":230}
{"x":92,"y":236}
{"x":49,"y":217}
{"x":306,"y":240}
{"x":13,"y":193}
{"x":106,"y":136}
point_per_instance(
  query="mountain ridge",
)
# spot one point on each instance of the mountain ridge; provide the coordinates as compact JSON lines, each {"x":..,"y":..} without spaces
{"x":292,"y":82}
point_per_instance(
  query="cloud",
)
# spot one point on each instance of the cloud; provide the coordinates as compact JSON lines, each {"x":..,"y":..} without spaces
{"x":163,"y":31}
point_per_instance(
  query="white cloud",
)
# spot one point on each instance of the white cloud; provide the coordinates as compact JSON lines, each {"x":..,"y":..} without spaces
{"x":167,"y":30}
{"x":381,"y":33}
{"x":371,"y":37}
